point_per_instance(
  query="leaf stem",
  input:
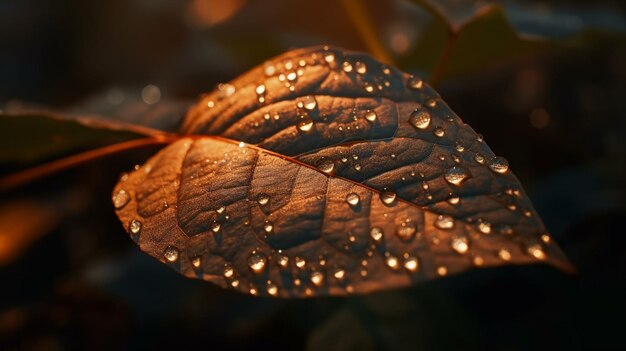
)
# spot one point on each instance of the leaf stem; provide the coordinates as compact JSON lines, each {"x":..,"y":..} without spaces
{"x":20,"y":178}
{"x":357,"y":12}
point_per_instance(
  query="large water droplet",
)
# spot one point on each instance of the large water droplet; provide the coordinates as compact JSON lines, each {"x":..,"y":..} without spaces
{"x":268,"y":227}
{"x":420,"y":119}
{"x":300,"y":262}
{"x":388,"y":197}
{"x":415,"y":83}
{"x":353,"y":199}
{"x":135,"y":226}
{"x":406,"y":230}
{"x":499,"y":164}
{"x":455,"y":175}
{"x":361,"y":68}
{"x":504,"y":254}
{"x":326,"y":165}
{"x":370,"y":115}
{"x":411,"y":263}
{"x":121,"y":198}
{"x":536,"y":251}
{"x":305,"y":125}
{"x":460,"y":245}
{"x":347,"y":67}
{"x":256,"y":262}
{"x":263,"y":199}
{"x":439,"y":132}
{"x":309,"y":102}
{"x":317,"y":278}
{"x":391,"y":261}
{"x":376,"y":233}
{"x":444,"y":222}
{"x":171,"y":254}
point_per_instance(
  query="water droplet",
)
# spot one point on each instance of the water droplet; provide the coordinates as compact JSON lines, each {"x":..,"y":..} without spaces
{"x":442,"y":271}
{"x":263,"y":199}
{"x":357,"y":167}
{"x":444,"y":222}
{"x":420,"y":119}
{"x":484,"y":227}
{"x":376,"y":233}
{"x":228,"y":271}
{"x":326,"y":165}
{"x":454,"y":200}
{"x":305,"y":125}
{"x":459,"y":148}
{"x":411,"y":263}
{"x":361,"y":68}
{"x":256,"y":262}
{"x":292,"y":76}
{"x":215,"y":226}
{"x":536,"y":251}
{"x":135,"y":226}
{"x":269,"y":69}
{"x":455,"y":175}
{"x":121,"y":199}
{"x":370,"y":115}
{"x":388,"y":197}
{"x":272,"y":289}
{"x":283,"y":260}
{"x":504,"y":254}
{"x":545,"y":238}
{"x":347,"y":67}
{"x":478,"y":261}
{"x":460,"y":245}
{"x":368,"y":87}
{"x":499,"y":164}
{"x":415,"y":83}
{"x":479,"y":159}
{"x":260,"y":90}
{"x":329,"y":58}
{"x":339,"y":274}
{"x":234,"y":283}
{"x":309,"y":102}
{"x":391,"y":261}
{"x":439,"y":132}
{"x":171,"y":254}
{"x":431,"y":103}
{"x":226,"y":89}
{"x":406,"y":230}
{"x":300,"y":262}
{"x":268,"y":227}
{"x":353,"y":199}
{"x":317,"y":278}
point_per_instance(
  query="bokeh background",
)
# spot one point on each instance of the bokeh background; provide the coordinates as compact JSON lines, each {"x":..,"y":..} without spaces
{"x":543,"y":81}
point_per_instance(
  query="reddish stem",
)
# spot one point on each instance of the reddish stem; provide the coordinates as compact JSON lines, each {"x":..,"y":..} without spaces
{"x":32,"y":174}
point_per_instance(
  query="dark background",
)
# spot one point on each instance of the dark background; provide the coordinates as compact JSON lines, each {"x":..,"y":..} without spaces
{"x":557,"y":111}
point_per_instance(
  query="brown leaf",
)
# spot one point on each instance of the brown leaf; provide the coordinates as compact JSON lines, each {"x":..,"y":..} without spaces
{"x":357,"y":177}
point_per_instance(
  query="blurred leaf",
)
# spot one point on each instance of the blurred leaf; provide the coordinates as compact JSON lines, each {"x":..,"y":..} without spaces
{"x":352,"y":161}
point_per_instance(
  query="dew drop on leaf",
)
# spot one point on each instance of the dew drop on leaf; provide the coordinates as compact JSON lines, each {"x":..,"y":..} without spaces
{"x":135,"y":226}
{"x":339,"y":274}
{"x":455,"y":175}
{"x":353,"y":199}
{"x":391,"y":261}
{"x":256,"y":262}
{"x":479,"y":159}
{"x":361,"y":68}
{"x":263,"y":199}
{"x":484,"y":227}
{"x":460,"y":245}
{"x":309,"y":102}
{"x":268,"y":227}
{"x":376,"y":233}
{"x":171,"y":254}
{"x":305,"y":125}
{"x":504,"y":254}
{"x":406,"y":230}
{"x":228,"y":271}
{"x":439,"y":132}
{"x":499,"y":164}
{"x":271,"y":288}
{"x":420,"y":119}
{"x":326,"y":165}
{"x":415,"y":83}
{"x":536,"y":251}
{"x":121,"y":198}
{"x":347,"y":67}
{"x":444,"y":222}
{"x":317,"y":278}
{"x":411,"y":264}
{"x":370,"y":115}
{"x":388,"y":197}
{"x":300,"y":262}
